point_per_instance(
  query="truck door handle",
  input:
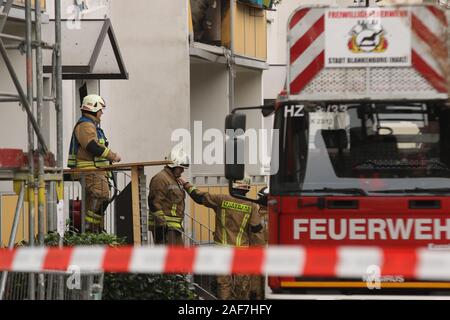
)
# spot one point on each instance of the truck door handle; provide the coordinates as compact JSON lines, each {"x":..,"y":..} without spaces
{"x":343,"y":204}
{"x":424,"y":204}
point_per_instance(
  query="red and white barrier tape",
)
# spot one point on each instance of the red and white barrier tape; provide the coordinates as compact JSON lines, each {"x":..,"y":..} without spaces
{"x":345,"y":262}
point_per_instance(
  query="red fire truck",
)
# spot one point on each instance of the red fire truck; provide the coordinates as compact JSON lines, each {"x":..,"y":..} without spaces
{"x":362,"y":156}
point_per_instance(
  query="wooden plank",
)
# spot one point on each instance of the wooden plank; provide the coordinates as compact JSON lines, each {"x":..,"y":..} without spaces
{"x":225,"y":35}
{"x":121,"y":166}
{"x":136,"y":205}
{"x":191,"y":25}
{"x":250,"y":32}
{"x":261,"y":35}
{"x":240,"y":31}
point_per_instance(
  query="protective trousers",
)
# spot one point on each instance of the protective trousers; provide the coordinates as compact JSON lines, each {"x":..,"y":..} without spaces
{"x":233,"y":287}
{"x":164,"y":235}
{"x":257,"y":284}
{"x":97,"y":195}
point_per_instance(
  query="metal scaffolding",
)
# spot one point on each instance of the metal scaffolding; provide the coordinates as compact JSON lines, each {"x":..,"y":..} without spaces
{"x":35,"y":180}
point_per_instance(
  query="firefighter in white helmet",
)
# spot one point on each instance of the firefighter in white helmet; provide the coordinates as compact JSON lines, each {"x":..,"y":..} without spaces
{"x":89,"y":149}
{"x":236,"y":221}
{"x":166,"y":201}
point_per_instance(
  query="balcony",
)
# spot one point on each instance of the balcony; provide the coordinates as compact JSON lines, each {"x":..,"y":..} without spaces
{"x":211,"y":25}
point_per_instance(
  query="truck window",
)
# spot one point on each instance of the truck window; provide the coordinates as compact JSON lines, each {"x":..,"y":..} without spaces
{"x":374,"y":146}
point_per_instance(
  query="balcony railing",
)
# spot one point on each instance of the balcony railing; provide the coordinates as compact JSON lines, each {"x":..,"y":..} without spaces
{"x":211,"y":25}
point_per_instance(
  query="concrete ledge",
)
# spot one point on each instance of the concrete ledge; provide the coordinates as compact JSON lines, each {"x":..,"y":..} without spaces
{"x":216,"y":54}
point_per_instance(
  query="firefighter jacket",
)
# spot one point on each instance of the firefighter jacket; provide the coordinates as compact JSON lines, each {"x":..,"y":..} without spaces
{"x":166,"y":200}
{"x":235,"y":219}
{"x":261,"y":238}
{"x":87,"y":130}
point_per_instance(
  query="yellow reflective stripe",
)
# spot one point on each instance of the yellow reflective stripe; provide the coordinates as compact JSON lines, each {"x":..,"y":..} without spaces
{"x":241,"y":230}
{"x":158,"y":213}
{"x":92,"y":220}
{"x":191,"y":189}
{"x":92,"y":164}
{"x":224,"y":231}
{"x":174,"y":219}
{"x":85,"y":164}
{"x":101,"y":162}
{"x":101,"y":141}
{"x":105,"y":153}
{"x":229,"y":245}
{"x":71,"y":163}
{"x":174,"y":225}
{"x":93,"y":215}
{"x":174,"y":210}
{"x":236,"y":206}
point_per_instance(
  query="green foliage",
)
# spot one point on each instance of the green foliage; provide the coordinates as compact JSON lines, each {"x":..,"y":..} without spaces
{"x":72,"y":238}
{"x":129,"y":286}
{"x":147,"y":287}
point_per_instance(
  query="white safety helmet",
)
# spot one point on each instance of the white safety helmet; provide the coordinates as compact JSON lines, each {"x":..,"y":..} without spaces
{"x":93,"y":103}
{"x":244,"y":184}
{"x":179,"y":158}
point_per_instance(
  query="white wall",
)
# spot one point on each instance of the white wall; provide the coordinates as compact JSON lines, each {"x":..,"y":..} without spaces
{"x":249,"y":93}
{"x":13,"y":119}
{"x":145,"y":109}
{"x":209,"y":104}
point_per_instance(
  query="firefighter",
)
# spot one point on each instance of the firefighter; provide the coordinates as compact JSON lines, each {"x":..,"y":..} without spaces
{"x":89,"y":149}
{"x":260,"y":239}
{"x":236,"y":220}
{"x":166,"y":201}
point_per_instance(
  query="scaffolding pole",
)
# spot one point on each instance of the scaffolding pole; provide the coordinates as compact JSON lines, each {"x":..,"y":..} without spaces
{"x":39,"y":112}
{"x":4,"y":14}
{"x":58,"y":75}
{"x":31,"y":182}
{"x":59,"y":117}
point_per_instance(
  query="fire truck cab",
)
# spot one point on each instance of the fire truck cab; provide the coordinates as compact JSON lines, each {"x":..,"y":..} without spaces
{"x":362,"y":154}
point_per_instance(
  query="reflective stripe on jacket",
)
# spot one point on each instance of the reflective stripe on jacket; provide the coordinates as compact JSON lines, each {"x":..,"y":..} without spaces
{"x":77,"y":161}
{"x":166,"y":199}
{"x":234,"y":217}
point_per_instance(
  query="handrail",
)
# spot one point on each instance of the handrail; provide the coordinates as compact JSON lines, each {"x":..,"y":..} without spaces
{"x":199,"y":222}
{"x":120,"y":167}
